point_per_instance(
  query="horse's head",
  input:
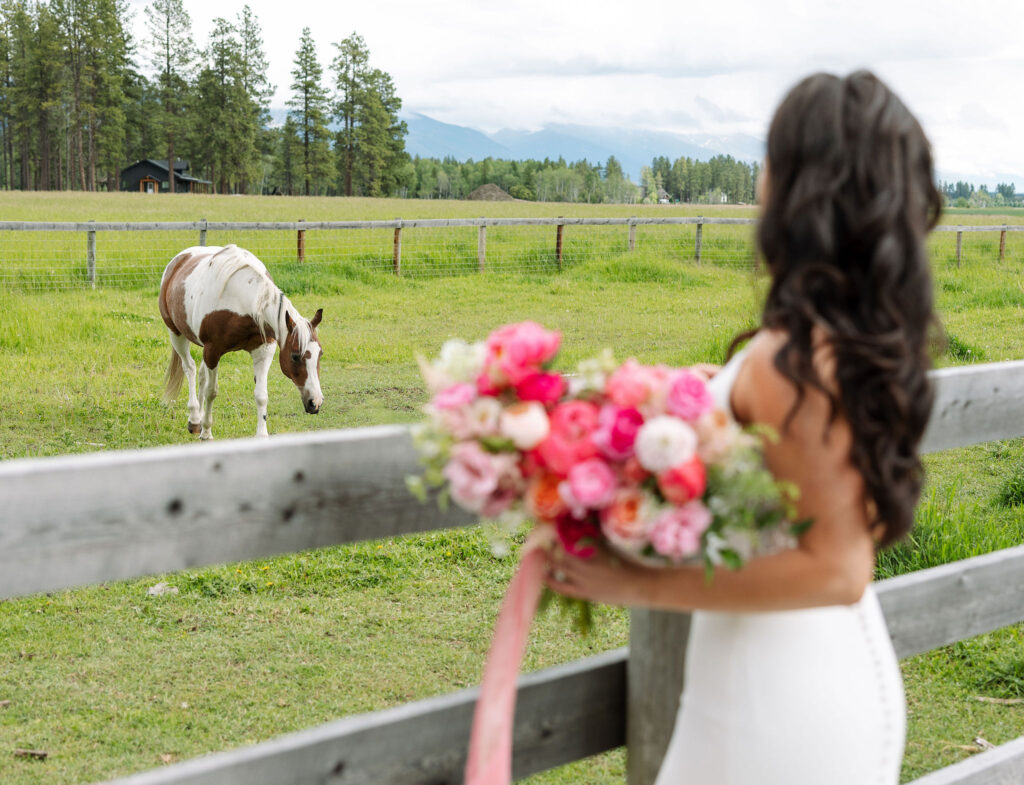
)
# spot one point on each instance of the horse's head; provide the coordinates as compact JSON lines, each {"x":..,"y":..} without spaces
{"x":300,"y":359}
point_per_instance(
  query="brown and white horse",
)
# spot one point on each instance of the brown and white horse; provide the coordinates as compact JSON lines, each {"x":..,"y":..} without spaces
{"x":223,"y":300}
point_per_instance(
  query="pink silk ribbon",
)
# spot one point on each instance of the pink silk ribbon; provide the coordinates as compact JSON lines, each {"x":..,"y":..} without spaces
{"x":489,"y":761}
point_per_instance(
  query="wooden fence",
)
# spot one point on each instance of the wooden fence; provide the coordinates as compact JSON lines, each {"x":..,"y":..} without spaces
{"x":201,"y":227}
{"x":74,"y":520}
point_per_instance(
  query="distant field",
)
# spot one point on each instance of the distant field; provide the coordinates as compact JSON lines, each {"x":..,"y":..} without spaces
{"x":109,"y":680}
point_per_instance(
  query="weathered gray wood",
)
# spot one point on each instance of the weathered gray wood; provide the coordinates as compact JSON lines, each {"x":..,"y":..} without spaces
{"x":90,"y":257}
{"x":931,"y":608}
{"x":959,"y":246}
{"x":291,"y":226}
{"x":657,"y":648}
{"x":80,"y":519}
{"x":396,"y":257}
{"x":300,"y":242}
{"x":975,"y":404}
{"x":632,"y":235}
{"x":481,"y":249}
{"x":558,"y":244}
{"x":698,"y":243}
{"x":562,"y":714}
{"x":1002,"y":766}
{"x":1002,"y":244}
{"x":202,"y":233}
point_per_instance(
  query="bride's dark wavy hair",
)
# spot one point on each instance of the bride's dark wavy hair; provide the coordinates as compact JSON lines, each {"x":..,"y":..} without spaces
{"x":849,"y":200}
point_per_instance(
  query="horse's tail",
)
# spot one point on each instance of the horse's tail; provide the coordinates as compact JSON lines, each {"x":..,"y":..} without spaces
{"x":173,"y":378}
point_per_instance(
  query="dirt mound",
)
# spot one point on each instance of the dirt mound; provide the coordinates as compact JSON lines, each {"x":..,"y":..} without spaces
{"x":490,"y":193}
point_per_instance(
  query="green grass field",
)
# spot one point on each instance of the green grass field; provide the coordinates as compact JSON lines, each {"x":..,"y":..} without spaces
{"x":109,"y":680}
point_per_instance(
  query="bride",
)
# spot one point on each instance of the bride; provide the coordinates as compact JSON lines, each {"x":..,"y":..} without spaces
{"x":791,"y":678}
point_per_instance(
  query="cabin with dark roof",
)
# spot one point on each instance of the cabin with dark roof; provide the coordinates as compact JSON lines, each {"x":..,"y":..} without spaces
{"x":150,"y":176}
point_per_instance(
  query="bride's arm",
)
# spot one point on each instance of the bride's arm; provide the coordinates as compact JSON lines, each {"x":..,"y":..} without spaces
{"x":835,"y":557}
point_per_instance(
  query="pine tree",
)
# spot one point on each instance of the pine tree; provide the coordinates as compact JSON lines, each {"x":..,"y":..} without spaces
{"x":310,"y":110}
{"x":173,"y":58}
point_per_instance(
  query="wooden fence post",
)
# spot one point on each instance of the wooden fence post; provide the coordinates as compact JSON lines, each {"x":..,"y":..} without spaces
{"x":632,"y":234}
{"x":959,"y":246}
{"x":202,"y":233}
{"x":699,"y":241}
{"x":558,"y":245}
{"x":397,"y":259}
{"x":654,"y":678}
{"x":1002,"y":244}
{"x":481,"y":248}
{"x":90,"y":256}
{"x":301,"y":243}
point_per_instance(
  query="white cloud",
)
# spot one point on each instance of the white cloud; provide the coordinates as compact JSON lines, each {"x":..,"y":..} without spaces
{"x":716,"y":67}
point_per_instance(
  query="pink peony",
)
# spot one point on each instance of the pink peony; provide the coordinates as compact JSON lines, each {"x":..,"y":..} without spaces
{"x":676,"y":532}
{"x":476,"y":475}
{"x":688,"y":396}
{"x":485,"y":386}
{"x":569,"y":442}
{"x":592,"y":483}
{"x":616,"y":431}
{"x":683,"y":482}
{"x":541,"y":387}
{"x":517,"y":350}
{"x":578,"y":536}
{"x":455,"y":397}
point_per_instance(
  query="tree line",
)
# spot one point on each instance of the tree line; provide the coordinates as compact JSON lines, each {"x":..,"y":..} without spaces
{"x":76,"y":107}
{"x":964,"y":194}
{"x":721,"y":179}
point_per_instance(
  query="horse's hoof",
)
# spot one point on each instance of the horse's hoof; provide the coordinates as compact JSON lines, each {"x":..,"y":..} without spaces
{"x":194,"y":427}
{"x":206,"y":437}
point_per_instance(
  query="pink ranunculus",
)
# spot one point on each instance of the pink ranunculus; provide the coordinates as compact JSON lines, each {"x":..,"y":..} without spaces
{"x":676,"y":532}
{"x":629,"y":385}
{"x":541,"y":387}
{"x":569,"y":442}
{"x":455,"y":397}
{"x":517,"y":350}
{"x":592,"y":483}
{"x":577,"y":535}
{"x":688,"y":396}
{"x":475,"y":474}
{"x":616,"y":431}
{"x":684,"y":482}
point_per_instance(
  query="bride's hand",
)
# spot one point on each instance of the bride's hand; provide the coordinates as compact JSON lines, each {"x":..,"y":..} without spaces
{"x":603,"y":577}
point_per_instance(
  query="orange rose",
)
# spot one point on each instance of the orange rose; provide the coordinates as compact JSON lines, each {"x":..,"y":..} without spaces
{"x":543,"y":499}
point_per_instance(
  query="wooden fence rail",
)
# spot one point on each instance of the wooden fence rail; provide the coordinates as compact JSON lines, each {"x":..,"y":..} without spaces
{"x":300,"y":228}
{"x":74,"y":520}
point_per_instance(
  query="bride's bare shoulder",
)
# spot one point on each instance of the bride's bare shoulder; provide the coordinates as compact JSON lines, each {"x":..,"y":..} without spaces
{"x":764,"y":394}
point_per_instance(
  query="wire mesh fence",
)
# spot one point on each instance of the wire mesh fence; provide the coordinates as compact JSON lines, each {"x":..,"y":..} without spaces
{"x":52,"y":256}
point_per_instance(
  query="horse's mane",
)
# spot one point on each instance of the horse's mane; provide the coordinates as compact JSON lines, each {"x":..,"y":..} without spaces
{"x":232,"y":259}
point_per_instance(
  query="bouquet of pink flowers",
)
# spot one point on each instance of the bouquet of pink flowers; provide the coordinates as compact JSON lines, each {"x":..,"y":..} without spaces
{"x":635,"y":457}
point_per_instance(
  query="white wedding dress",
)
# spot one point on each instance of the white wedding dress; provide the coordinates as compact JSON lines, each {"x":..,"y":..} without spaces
{"x":805,"y":697}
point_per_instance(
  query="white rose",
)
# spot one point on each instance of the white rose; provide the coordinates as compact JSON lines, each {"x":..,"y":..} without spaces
{"x":483,"y":416}
{"x":461,"y":361}
{"x":664,"y":442}
{"x":526,"y":424}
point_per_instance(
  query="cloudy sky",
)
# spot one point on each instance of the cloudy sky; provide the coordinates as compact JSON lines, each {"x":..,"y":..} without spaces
{"x":717,"y":67}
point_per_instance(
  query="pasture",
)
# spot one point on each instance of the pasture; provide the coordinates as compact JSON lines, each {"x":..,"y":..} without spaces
{"x":109,"y":680}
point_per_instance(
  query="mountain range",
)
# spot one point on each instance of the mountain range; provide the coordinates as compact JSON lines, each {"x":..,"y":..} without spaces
{"x":634,"y":148}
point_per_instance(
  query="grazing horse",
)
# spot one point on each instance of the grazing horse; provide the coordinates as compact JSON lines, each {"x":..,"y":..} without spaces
{"x":223,"y":300}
